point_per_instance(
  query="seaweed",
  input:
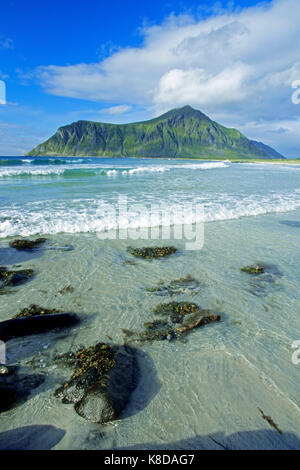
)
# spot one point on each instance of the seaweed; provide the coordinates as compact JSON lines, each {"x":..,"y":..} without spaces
{"x":154,"y":252}
{"x":264,"y":276}
{"x":100,"y":357}
{"x":34,"y":310}
{"x":176,"y":310}
{"x":14,"y":278}
{"x":163,"y":329}
{"x":26,"y":244}
{"x":253,"y":269}
{"x":270,"y":421}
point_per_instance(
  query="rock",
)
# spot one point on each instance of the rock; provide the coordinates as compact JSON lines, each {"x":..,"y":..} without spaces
{"x":154,"y":252}
{"x":14,"y":389}
{"x":184,"y":285}
{"x":253,"y":269}
{"x":102,"y":383}
{"x":159,"y":330}
{"x":18,"y":327}
{"x":27,"y":244}
{"x":197,"y":319}
{"x":176,"y":310}
{"x":14,"y":278}
{"x":34,"y":310}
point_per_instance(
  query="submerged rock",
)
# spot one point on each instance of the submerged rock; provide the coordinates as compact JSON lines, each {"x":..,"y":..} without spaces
{"x":26,"y":244}
{"x":265,"y":277}
{"x":14,"y":278}
{"x":189,"y":316}
{"x":157,"y":330}
{"x":196,"y":320}
{"x":184,"y":285}
{"x":254,"y":269}
{"x":34,"y":310}
{"x":153,"y":252}
{"x":176,"y":310}
{"x":14,"y":389}
{"x":19,"y":327}
{"x":102,"y":383}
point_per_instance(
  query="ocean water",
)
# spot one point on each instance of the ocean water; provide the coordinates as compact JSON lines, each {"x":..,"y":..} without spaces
{"x":204,"y":393}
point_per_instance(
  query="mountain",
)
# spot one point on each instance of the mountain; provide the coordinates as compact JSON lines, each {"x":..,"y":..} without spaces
{"x":181,"y":132}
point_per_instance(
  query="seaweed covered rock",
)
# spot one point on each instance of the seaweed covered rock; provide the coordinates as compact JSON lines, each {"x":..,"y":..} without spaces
{"x":196,"y":320}
{"x":185,"y":285}
{"x":153,"y":252}
{"x":157,"y":330}
{"x":34,"y":310}
{"x":15,"y":389}
{"x":25,"y":244}
{"x":19,"y":327}
{"x":176,"y":310}
{"x":102,"y":382}
{"x":253,"y":269}
{"x":187,"y":316}
{"x":14,"y":278}
{"x":265,"y":277}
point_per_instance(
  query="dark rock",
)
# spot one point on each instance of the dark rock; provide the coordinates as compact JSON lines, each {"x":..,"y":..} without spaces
{"x":102,"y":383}
{"x":34,"y":310}
{"x":14,"y":278}
{"x":253,"y":269}
{"x":153,"y":252}
{"x":19,"y":327}
{"x":27,"y":244}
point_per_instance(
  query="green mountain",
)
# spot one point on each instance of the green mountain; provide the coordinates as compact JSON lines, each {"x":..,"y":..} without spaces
{"x":181,"y":132}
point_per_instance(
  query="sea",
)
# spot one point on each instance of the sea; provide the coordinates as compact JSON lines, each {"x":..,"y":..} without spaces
{"x":233,"y":384}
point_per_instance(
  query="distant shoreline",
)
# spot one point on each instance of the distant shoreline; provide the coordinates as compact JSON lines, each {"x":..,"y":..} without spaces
{"x":293,"y":161}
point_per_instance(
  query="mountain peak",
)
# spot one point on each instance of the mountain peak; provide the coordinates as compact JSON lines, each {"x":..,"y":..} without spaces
{"x":181,"y":132}
{"x":186,"y":111}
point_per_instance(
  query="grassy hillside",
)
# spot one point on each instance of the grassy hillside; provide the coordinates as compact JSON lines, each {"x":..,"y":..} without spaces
{"x":182,"y":132}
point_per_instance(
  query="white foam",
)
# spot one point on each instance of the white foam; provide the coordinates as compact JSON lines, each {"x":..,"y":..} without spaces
{"x":98,"y":215}
{"x":109,"y":170}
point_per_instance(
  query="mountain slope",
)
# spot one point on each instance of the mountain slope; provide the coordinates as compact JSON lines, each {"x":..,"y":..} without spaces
{"x":182,"y":132}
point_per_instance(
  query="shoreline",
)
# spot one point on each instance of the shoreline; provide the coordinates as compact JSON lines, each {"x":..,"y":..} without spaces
{"x":293,"y":161}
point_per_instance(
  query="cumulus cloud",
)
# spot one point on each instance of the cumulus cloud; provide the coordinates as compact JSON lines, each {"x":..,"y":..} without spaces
{"x":240,"y":63}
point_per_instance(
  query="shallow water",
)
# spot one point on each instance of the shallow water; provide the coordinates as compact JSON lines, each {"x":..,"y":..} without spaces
{"x":204,"y":393}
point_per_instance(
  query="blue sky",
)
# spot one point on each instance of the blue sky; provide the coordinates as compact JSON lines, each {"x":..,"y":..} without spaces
{"x":124,"y":61}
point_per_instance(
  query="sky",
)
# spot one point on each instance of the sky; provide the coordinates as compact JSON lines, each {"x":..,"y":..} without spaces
{"x":125,"y":61}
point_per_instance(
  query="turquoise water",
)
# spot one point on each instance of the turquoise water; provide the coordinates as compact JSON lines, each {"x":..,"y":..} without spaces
{"x":189,"y":395}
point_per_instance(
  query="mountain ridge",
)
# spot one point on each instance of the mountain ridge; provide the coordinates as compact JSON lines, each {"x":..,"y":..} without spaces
{"x":178,"y":133}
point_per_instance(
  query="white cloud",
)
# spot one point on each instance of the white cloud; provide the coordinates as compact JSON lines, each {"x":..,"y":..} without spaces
{"x":121,"y":109}
{"x":240,"y":63}
{"x":226,"y":58}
